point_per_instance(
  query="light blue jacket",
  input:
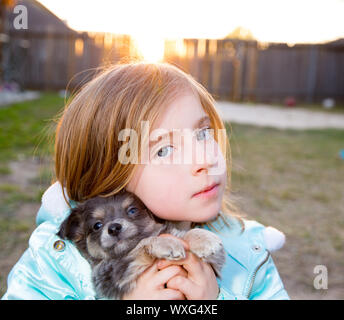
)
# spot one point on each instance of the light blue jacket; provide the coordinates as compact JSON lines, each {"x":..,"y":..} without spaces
{"x":54,"y":269}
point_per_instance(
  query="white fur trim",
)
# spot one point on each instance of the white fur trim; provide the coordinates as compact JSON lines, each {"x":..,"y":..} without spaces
{"x":274,"y":239}
{"x":53,"y":200}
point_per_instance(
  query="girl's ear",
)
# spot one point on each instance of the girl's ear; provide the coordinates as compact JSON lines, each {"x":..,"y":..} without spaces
{"x":72,"y":227}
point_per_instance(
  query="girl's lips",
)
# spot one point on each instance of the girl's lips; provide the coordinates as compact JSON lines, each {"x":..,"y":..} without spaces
{"x":209,"y":193}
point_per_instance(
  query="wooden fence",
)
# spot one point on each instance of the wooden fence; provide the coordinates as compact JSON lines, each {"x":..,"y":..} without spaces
{"x":52,"y":60}
{"x":251,"y":71}
{"x":230,"y":69}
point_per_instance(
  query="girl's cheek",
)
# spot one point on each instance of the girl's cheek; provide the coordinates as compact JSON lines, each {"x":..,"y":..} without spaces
{"x":221,"y":167}
{"x":167,"y":201}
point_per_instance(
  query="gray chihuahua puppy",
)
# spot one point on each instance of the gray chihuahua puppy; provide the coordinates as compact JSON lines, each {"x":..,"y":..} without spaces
{"x":118,"y":235}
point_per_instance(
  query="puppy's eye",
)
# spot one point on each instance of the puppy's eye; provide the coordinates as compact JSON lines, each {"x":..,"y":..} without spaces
{"x":132,"y":210}
{"x":97,"y":226}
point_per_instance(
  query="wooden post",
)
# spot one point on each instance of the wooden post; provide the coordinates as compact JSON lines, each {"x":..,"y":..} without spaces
{"x":218,"y":58}
{"x":2,"y":27}
{"x":48,"y":63}
{"x":71,"y":60}
{"x":197,"y":61}
{"x":192,"y":54}
{"x":252,"y":70}
{"x":187,"y":56}
{"x":312,"y":72}
{"x":237,"y":64}
{"x":206,"y":66}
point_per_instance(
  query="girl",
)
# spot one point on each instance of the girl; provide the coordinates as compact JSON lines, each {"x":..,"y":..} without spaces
{"x":93,"y":157}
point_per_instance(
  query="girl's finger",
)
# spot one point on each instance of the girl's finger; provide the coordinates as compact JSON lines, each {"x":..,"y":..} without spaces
{"x":170,"y":294}
{"x":185,"y":285}
{"x":152,"y":269}
{"x":182,"y":271}
{"x":192,"y":264}
{"x":166,"y":274}
{"x":161,"y":264}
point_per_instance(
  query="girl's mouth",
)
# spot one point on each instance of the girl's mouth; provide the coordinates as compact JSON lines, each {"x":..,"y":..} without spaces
{"x":208,"y":193}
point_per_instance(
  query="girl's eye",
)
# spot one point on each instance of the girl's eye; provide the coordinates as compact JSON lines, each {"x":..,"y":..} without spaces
{"x":131,"y":211}
{"x":97,"y":226}
{"x":203,"y":134}
{"x":163,"y":152}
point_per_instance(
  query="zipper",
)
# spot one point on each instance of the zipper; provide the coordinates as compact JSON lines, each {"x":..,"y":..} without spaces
{"x":253,"y":276}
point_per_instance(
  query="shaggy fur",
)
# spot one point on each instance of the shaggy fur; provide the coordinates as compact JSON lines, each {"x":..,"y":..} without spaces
{"x":118,"y":235}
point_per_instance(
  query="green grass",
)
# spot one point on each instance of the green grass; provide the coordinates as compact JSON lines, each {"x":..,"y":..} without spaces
{"x":26,"y":132}
{"x":293,"y":180}
{"x":285,"y":165}
{"x":24,"y":126}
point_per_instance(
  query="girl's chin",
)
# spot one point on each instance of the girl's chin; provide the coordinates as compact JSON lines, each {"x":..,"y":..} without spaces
{"x":197,"y":215}
{"x":206,"y":217}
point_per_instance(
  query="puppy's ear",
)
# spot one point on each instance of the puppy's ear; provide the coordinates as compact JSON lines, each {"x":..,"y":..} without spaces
{"x":72,"y":228}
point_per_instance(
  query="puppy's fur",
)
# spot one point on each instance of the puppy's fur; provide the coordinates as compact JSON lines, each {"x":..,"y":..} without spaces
{"x":118,"y":235}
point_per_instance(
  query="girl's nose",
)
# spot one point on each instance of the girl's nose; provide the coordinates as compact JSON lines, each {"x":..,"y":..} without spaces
{"x":205,"y":158}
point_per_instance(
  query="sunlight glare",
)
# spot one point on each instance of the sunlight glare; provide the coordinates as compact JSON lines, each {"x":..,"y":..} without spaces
{"x":150,"y":48}
{"x":292,"y":21}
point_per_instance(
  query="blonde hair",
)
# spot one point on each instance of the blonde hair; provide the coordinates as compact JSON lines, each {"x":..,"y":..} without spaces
{"x":119,"y":97}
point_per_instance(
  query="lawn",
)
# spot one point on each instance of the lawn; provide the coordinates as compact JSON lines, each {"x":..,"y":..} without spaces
{"x":25,"y":172}
{"x":292,"y":180}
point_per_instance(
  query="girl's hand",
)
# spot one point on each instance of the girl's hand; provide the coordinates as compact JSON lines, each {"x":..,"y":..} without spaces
{"x":151,"y":284}
{"x":200,"y":283}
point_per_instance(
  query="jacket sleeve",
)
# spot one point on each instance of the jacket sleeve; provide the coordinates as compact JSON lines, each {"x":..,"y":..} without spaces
{"x":266,"y":285}
{"x":45,"y":273}
{"x":34,"y":278}
{"x":249,"y":272}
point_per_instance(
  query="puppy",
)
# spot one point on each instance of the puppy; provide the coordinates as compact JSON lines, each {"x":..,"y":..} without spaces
{"x":118,"y":235}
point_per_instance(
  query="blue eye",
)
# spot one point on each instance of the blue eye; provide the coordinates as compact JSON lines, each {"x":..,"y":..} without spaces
{"x":131,"y":211}
{"x":97,"y":226}
{"x":162,"y":153}
{"x":204,"y":134}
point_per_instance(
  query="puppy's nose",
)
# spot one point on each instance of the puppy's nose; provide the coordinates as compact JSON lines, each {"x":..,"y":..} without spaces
{"x":114,"y":229}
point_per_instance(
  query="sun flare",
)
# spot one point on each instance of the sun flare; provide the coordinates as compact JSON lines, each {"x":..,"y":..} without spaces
{"x":303,"y":21}
{"x":150,"y":48}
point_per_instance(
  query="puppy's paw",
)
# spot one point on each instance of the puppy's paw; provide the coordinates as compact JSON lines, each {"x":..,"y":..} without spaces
{"x":204,"y":244}
{"x":166,"y":248}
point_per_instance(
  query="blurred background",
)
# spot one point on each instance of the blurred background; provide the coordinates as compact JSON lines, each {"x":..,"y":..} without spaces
{"x":275,"y":68}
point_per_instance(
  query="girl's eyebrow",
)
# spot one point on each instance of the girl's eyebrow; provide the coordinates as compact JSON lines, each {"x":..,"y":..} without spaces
{"x":161,"y":137}
{"x":198,"y":124}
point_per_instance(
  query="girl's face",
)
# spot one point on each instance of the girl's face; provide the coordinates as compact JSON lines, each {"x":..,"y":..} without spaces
{"x":179,"y":168}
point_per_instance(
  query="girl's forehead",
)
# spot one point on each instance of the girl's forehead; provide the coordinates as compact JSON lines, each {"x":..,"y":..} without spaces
{"x":183,"y":112}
